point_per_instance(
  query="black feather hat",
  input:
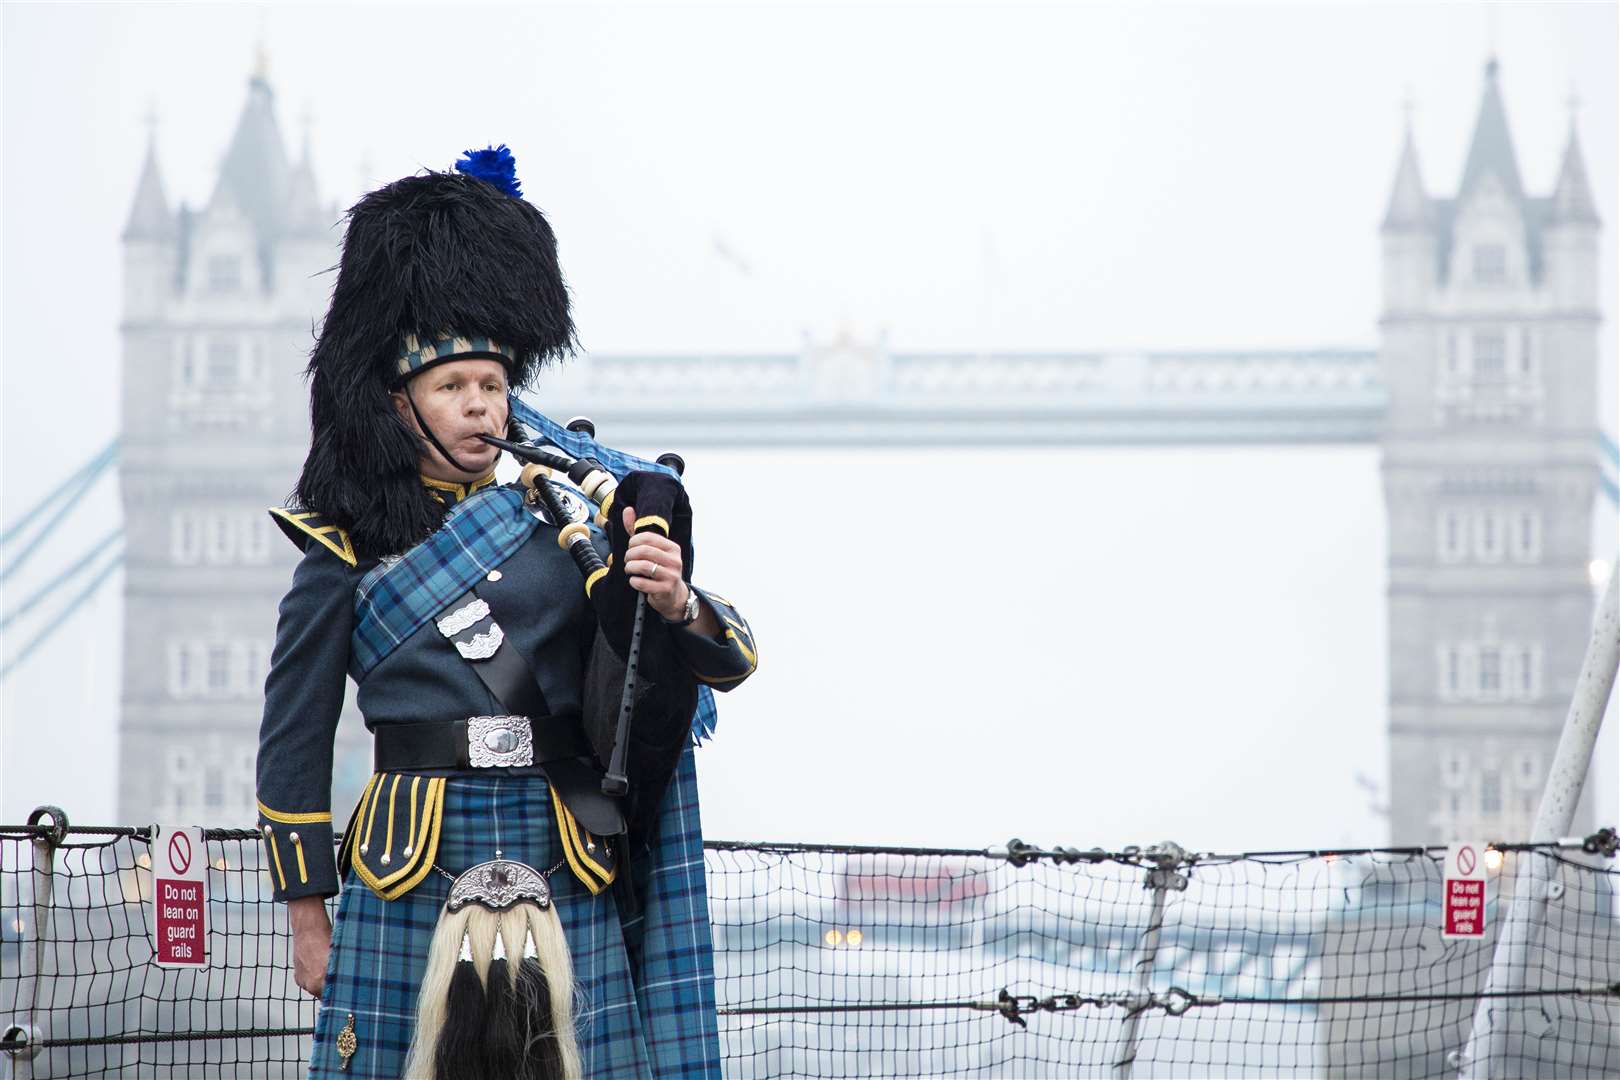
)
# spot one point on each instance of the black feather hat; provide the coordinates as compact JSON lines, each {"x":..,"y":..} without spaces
{"x":455,"y":261}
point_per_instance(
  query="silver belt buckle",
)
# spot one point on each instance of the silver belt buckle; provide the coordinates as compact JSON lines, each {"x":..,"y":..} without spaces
{"x":499,"y":741}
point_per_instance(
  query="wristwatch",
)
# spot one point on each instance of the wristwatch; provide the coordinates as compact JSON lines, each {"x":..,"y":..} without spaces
{"x":689,"y":616}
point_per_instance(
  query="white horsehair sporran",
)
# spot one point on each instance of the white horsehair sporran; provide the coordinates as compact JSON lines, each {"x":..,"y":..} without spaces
{"x":497,"y":999}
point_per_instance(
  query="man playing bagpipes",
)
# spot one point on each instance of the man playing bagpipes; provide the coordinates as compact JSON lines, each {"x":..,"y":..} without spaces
{"x":523,"y":876}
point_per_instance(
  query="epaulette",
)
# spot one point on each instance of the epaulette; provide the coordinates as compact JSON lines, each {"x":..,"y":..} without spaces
{"x":302,"y":526}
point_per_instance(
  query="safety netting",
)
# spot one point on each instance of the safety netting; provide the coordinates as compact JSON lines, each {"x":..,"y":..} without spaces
{"x":856,"y":961}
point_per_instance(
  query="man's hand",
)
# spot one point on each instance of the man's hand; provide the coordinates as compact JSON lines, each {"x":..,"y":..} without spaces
{"x":312,"y":942}
{"x":652,"y":564}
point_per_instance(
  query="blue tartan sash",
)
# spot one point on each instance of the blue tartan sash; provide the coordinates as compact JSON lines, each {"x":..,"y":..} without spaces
{"x":397,"y":598}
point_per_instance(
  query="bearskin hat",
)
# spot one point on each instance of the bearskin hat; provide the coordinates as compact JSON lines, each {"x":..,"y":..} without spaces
{"x":454,"y":258}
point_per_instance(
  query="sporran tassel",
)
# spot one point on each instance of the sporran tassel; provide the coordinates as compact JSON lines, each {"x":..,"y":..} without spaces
{"x":459,"y":1045}
{"x":497,"y":999}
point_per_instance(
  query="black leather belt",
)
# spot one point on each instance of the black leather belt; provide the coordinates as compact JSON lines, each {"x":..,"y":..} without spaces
{"x":479,"y":742}
{"x":553,"y":745}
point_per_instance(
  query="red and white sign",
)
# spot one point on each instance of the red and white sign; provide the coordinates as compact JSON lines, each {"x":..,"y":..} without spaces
{"x":180,"y":896}
{"x":1463,"y":901}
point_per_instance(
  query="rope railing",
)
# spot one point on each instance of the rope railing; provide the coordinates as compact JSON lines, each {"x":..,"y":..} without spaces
{"x":856,"y":960}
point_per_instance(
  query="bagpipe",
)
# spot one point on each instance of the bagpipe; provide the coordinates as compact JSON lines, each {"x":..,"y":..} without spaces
{"x":638,"y":696}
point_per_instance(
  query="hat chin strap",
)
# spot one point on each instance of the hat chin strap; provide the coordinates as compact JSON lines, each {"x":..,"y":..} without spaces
{"x":422,"y":423}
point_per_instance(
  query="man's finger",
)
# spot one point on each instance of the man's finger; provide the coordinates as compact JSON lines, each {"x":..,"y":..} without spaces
{"x":651,"y":542}
{"x":648,"y":553}
{"x":654,"y":539}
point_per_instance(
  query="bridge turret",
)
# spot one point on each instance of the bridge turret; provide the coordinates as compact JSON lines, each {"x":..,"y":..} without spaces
{"x":151,"y":245}
{"x":1571,"y":236}
{"x":1408,"y":237}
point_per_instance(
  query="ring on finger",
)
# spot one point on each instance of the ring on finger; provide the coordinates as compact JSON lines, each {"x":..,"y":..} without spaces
{"x":653,"y":573}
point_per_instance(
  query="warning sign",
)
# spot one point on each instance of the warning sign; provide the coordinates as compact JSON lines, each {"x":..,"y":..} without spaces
{"x":1463,"y":902}
{"x":180,"y":896}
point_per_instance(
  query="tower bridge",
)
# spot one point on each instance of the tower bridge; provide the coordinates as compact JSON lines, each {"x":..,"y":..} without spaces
{"x":853,"y":393}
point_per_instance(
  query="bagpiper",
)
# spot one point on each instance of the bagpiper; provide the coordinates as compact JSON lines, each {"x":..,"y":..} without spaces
{"x":522,"y":889}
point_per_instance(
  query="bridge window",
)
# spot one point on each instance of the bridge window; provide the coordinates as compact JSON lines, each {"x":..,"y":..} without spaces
{"x":1490,"y":353}
{"x":1490,"y":791}
{"x":223,"y":362}
{"x":253,"y":539}
{"x":244,"y":785}
{"x":219,"y":537}
{"x":218,"y":543}
{"x":218,"y":668}
{"x":213,"y":788}
{"x":1528,"y":769}
{"x":185,"y":543}
{"x":231,"y":669}
{"x":1488,"y":538}
{"x":1490,"y":264}
{"x":180,"y":670}
{"x":1451,"y":678}
{"x":1528,"y":675}
{"x":1526,"y":352}
{"x":1524,"y":541}
{"x":1494,"y":671}
{"x":1452,"y":530}
{"x":1453,"y":768}
{"x":1490,"y":671}
{"x":181,"y":782}
{"x":220,"y":381}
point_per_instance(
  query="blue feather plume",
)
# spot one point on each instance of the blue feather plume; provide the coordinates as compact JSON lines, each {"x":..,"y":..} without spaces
{"x":495,"y":165}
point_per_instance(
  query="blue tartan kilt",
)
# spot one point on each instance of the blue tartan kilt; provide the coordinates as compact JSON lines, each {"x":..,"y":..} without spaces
{"x":379,"y":947}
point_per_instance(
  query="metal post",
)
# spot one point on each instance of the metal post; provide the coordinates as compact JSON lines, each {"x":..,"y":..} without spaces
{"x":1533,"y":883}
{"x":1165,"y":875}
{"x":44,"y":881}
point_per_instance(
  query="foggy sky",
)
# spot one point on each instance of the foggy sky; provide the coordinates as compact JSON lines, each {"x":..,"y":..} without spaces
{"x":1195,"y":648}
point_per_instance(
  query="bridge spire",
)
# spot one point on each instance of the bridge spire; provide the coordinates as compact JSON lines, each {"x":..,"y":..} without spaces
{"x":1572,"y":194}
{"x":1490,"y":152}
{"x":1408,"y":204}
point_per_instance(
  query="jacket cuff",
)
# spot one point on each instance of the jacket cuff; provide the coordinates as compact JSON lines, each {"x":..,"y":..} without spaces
{"x":724,"y":661}
{"x":299,"y":856}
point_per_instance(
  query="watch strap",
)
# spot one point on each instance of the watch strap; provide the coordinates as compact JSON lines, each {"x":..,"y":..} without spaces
{"x":692,"y":608}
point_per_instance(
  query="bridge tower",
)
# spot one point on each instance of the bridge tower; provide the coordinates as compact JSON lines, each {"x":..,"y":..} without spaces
{"x":1489,"y":338}
{"x":218,"y":309}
